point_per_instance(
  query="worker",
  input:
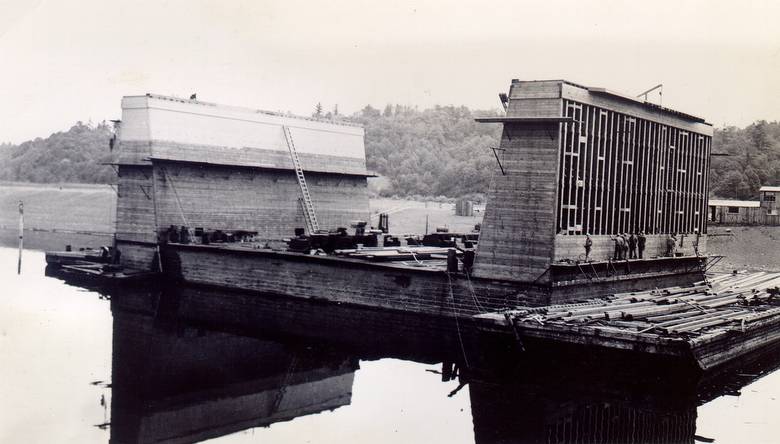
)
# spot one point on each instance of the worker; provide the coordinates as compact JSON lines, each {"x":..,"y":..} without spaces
{"x":619,"y":245}
{"x":632,"y":246}
{"x":641,"y":240}
{"x":624,"y":254}
{"x":588,"y":245}
{"x":671,"y":244}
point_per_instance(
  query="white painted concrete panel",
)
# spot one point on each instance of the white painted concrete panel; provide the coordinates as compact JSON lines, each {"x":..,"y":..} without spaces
{"x":135,"y":124}
{"x":189,"y":122}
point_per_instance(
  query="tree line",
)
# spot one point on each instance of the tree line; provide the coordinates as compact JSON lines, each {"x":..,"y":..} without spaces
{"x":78,"y":155}
{"x":439,"y":151}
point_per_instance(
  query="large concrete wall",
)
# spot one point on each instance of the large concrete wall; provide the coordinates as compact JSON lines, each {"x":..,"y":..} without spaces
{"x":265,"y":201}
{"x":184,"y":162}
{"x":177,"y":129}
{"x":516,"y":240}
{"x":227,"y":199}
{"x":135,"y":205}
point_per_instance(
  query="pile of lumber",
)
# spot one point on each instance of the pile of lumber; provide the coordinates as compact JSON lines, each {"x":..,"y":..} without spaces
{"x":387,"y":254}
{"x":730,"y":300}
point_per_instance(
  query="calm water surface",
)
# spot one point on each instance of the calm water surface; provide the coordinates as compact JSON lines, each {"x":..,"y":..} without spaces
{"x":148,"y":366}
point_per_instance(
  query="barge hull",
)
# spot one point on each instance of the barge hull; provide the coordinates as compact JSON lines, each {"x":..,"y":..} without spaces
{"x":423,"y":290}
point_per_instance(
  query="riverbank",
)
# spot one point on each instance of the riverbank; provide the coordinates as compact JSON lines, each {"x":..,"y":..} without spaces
{"x":84,"y":215}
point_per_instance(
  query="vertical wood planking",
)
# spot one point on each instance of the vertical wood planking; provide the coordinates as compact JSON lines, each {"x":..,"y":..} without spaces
{"x":562,"y":147}
{"x":707,"y":151}
{"x":623,"y":174}
{"x":600,"y":173}
{"x":591,"y":184}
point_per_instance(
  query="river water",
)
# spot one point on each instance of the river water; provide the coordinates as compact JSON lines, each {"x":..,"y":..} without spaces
{"x":147,"y":365}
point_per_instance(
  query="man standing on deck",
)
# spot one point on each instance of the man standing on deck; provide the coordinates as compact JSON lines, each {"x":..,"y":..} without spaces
{"x":671,"y":243}
{"x":624,"y":244}
{"x":588,"y":245}
{"x":632,"y":246}
{"x":619,"y":246}
{"x":615,"y":253}
{"x":641,"y":239}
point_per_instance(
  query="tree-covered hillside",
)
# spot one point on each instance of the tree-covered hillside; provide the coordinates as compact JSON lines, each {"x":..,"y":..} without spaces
{"x":75,"y":155}
{"x":433,"y":152}
{"x":753,"y":160}
{"x":438,"y":151}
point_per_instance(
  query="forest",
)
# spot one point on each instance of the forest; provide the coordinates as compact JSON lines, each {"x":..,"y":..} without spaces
{"x":438,"y":151}
{"x":77,"y":155}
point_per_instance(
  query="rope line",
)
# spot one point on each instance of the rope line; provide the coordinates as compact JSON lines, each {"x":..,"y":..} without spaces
{"x":457,"y":322}
{"x":479,"y":305}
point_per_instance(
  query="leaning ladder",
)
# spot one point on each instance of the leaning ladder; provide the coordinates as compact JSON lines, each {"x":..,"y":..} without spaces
{"x":307,"y":204}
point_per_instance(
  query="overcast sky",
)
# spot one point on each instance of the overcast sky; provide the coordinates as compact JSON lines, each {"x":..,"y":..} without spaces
{"x":64,"y":61}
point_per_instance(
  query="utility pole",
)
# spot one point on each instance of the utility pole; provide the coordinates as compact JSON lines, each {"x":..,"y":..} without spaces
{"x":21,"y":236}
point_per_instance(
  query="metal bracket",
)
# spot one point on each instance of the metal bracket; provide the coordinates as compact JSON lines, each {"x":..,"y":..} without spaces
{"x":551,"y":135}
{"x":146,"y":193}
{"x":503,"y":173}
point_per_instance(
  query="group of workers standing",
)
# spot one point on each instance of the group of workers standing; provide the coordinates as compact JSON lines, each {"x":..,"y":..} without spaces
{"x":631,"y":246}
{"x":627,"y":246}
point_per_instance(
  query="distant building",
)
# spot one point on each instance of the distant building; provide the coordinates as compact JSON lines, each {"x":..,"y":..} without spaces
{"x":746,"y":212}
{"x":734,"y":212}
{"x":769,"y":200}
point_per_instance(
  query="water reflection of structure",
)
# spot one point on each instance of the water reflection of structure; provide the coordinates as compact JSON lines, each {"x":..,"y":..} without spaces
{"x":183,"y":371}
{"x":559,"y":411}
{"x":598,"y":402}
{"x":178,"y":383}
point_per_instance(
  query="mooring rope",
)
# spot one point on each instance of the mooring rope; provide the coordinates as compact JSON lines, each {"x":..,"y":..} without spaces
{"x":479,"y":305}
{"x":457,"y":322}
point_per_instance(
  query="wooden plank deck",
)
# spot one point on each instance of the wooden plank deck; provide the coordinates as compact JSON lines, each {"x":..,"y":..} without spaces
{"x":713,"y":321}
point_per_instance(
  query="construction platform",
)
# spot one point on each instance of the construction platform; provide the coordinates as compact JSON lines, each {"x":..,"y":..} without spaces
{"x":711,"y":322}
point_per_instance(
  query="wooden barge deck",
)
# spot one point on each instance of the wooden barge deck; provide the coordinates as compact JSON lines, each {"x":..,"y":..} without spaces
{"x":712,"y":322}
{"x":423,"y":286}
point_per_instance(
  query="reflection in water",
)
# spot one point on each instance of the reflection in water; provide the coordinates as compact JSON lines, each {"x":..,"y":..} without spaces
{"x":177,"y":383}
{"x":192,"y":364}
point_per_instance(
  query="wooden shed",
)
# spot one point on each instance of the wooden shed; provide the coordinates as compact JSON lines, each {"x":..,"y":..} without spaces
{"x":735,"y":212}
{"x":747,"y":212}
{"x":769,"y":198}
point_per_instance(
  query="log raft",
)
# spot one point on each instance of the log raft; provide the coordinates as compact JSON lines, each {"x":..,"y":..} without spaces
{"x":712,"y":322}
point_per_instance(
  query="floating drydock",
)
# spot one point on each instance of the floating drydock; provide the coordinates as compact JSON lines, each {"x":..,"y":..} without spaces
{"x":712,"y":322}
{"x":207,"y":193}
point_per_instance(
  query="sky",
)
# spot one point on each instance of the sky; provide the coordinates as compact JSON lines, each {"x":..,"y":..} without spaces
{"x":65,"y":61}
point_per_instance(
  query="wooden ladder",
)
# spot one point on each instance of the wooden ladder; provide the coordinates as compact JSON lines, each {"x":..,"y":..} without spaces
{"x":307,"y":204}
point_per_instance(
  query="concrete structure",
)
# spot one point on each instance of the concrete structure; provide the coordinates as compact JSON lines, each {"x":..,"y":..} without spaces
{"x":577,"y":160}
{"x":197,"y":164}
{"x":573,"y":160}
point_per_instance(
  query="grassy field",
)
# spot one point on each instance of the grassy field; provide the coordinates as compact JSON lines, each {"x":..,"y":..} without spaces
{"x":408,"y":216}
{"x":751,"y":248}
{"x":67,"y":207}
{"x":91,"y":208}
